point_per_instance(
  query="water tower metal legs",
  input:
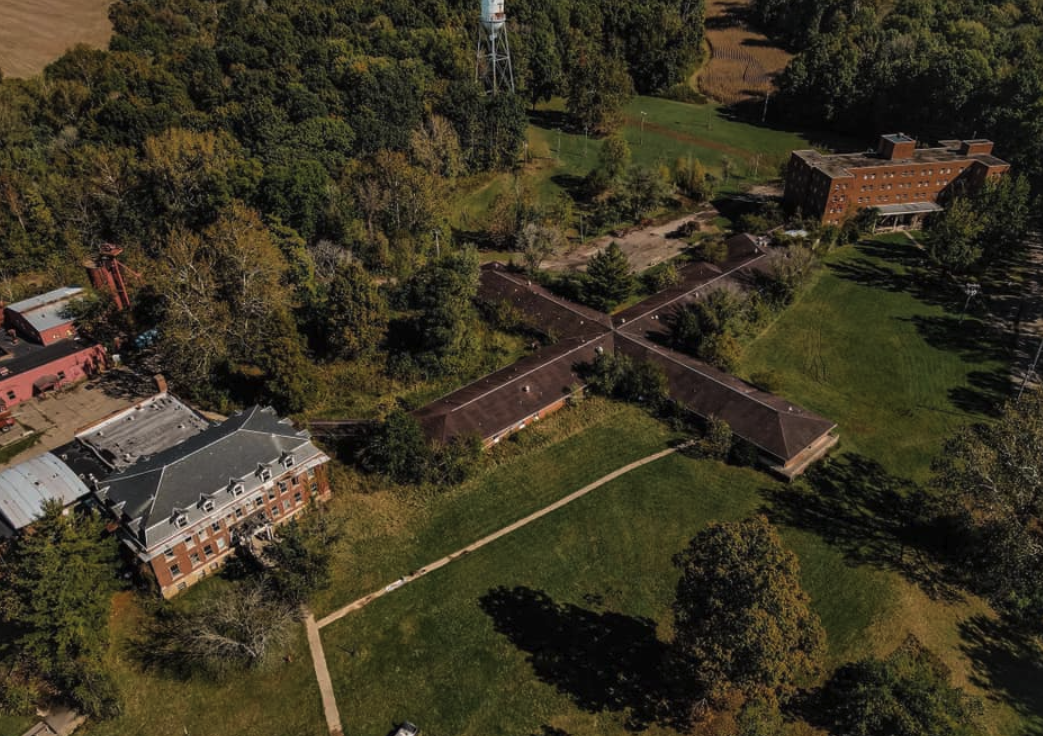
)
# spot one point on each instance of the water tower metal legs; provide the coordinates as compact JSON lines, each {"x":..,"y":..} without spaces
{"x":494,"y":61}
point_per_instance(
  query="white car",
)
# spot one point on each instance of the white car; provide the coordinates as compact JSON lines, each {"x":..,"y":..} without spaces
{"x":407,"y":729}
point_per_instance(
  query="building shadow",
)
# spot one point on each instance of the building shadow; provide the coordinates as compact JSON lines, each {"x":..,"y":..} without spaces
{"x":603,"y":661}
{"x":1008,"y":664}
{"x":873,"y":517}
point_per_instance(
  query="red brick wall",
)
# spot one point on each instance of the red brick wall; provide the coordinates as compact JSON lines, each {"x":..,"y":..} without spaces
{"x":279,"y":505}
{"x":87,"y":362}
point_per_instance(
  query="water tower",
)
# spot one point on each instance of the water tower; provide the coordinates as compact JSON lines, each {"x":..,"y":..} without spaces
{"x":494,"y":50}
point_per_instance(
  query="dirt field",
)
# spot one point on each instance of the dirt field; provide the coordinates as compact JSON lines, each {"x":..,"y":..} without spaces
{"x":742,"y":62}
{"x":33,"y":33}
{"x":643,"y":247}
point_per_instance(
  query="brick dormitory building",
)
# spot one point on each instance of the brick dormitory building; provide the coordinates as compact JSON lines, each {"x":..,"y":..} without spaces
{"x":902,"y":182}
{"x":182,"y":511}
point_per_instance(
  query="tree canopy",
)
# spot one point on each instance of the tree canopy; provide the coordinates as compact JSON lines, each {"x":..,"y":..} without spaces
{"x":741,"y":615}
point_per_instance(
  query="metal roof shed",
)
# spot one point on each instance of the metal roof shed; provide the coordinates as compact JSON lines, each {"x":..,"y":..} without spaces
{"x":24,"y":488}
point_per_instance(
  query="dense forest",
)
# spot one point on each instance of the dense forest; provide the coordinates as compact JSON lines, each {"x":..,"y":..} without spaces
{"x":244,"y":152}
{"x":932,"y":68}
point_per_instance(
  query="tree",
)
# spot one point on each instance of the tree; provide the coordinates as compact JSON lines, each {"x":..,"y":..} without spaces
{"x":598,"y":88}
{"x":1005,"y":207}
{"x":300,"y":562}
{"x":645,"y":191}
{"x":356,"y":314}
{"x":789,"y":271}
{"x":907,"y":693}
{"x":609,"y":280}
{"x":692,"y":180}
{"x":708,"y":328}
{"x":952,"y":239}
{"x":56,"y":582}
{"x":992,"y":472}
{"x":613,"y":163}
{"x":435,"y":146}
{"x":399,"y":449}
{"x":717,"y":439}
{"x":242,"y":627}
{"x":741,"y":616}
{"x":443,"y":339}
{"x":537,"y":242}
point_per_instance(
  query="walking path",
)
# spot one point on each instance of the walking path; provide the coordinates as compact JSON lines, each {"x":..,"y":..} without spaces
{"x":322,"y":674}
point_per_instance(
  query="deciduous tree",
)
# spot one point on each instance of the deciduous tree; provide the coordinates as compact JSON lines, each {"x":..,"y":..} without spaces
{"x":741,"y":615}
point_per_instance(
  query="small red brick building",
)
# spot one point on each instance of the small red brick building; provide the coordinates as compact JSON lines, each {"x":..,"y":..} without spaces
{"x":902,"y":182}
{"x":183,"y":511}
{"x":40,"y":350}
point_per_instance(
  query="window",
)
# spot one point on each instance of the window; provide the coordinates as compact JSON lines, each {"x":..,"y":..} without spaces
{"x":195,"y":559}
{"x":203,"y":533}
{"x":208,"y":505}
{"x":259,"y":501}
{"x":271,"y":494}
{"x":283,"y":486}
{"x":297,"y":497}
{"x":189,"y":540}
{"x":275,"y":511}
{"x":61,"y":375}
{"x":289,"y":461}
{"x":266,"y":474}
{"x":11,"y":395}
{"x":314,"y":487}
{"x":239,"y":513}
{"x":168,"y":553}
{"x":311,"y":472}
{"x":216,"y":526}
{"x":208,"y":551}
{"x":221,"y":543}
{"x":175,"y":571}
{"x":238,"y":489}
{"x":286,"y":505}
{"x":182,"y":521}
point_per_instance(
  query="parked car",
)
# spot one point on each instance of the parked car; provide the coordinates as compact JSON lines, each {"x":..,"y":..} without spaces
{"x":407,"y":729}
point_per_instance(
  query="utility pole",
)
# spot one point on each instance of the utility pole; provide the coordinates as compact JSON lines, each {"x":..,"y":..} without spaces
{"x":586,"y":131}
{"x":644,"y":115}
{"x":559,"y":144}
{"x":1030,"y":371}
{"x":764,"y":115}
{"x":438,"y":246}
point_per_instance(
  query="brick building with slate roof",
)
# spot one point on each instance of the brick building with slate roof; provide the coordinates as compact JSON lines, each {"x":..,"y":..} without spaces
{"x":788,"y":437}
{"x":182,"y":510}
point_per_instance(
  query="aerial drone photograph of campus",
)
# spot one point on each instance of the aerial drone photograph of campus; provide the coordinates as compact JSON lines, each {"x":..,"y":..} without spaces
{"x":521,"y":367}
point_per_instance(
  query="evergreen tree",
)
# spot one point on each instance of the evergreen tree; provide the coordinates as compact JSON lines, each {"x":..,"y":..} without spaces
{"x":56,"y":583}
{"x":609,"y":279}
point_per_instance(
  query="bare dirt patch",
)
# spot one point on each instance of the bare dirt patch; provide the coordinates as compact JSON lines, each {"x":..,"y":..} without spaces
{"x":644,"y":247}
{"x":33,"y":33}
{"x":743,"y":63}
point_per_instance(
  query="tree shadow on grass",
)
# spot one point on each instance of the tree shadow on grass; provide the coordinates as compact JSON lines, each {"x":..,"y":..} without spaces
{"x":603,"y":661}
{"x":1006,"y":663}
{"x":986,"y":394}
{"x":873,"y":517}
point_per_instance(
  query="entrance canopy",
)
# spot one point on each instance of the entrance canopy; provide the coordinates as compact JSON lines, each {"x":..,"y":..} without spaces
{"x":910,"y":208}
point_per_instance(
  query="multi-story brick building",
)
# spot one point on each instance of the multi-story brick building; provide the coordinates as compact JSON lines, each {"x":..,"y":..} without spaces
{"x":902,"y":182}
{"x":182,"y":511}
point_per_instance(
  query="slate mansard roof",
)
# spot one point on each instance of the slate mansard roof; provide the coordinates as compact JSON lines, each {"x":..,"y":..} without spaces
{"x":151,"y":494}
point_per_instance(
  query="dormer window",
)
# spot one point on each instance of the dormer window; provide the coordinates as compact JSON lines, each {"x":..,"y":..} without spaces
{"x":181,"y":520}
{"x":265,"y":472}
{"x":208,"y":505}
{"x":238,"y":489}
{"x":288,"y":461}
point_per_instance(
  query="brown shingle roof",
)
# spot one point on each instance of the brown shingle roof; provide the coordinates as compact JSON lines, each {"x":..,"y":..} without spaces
{"x":504,"y":399}
{"x":773,"y":424}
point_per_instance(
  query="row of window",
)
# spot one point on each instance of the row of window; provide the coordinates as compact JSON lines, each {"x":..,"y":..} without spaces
{"x":237,"y":489}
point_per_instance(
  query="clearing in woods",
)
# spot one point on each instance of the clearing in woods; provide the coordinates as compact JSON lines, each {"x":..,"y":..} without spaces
{"x":743,"y":63}
{"x":33,"y":33}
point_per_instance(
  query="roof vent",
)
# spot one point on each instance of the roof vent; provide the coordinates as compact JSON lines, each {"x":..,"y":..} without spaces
{"x":526,"y":388}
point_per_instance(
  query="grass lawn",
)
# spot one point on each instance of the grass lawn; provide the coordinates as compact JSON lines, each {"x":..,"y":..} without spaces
{"x":562,"y":624}
{"x":455,"y":653}
{"x":672,"y":130}
{"x":896,"y":368}
{"x":15,"y":725}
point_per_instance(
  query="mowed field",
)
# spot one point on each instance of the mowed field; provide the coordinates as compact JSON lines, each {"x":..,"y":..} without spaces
{"x":33,"y":33}
{"x":743,"y":62}
{"x":659,"y":132}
